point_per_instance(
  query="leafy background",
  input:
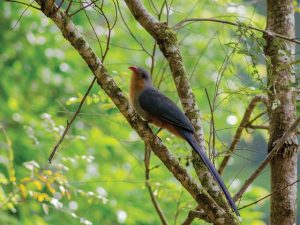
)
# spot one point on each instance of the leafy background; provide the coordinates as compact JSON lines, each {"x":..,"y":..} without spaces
{"x":98,"y":176}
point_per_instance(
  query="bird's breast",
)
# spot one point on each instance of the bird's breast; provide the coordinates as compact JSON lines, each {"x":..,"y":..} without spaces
{"x":134,"y":100}
{"x":140,"y":111}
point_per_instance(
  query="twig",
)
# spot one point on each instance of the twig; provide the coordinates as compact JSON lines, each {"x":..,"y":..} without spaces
{"x":71,"y":121}
{"x":148,"y":185}
{"x":69,"y":7}
{"x":82,"y":8}
{"x":262,"y":127}
{"x":131,"y":33}
{"x":23,"y":3}
{"x":177,"y":208}
{"x":255,"y":118}
{"x":237,"y":24}
{"x":22,"y":14}
{"x":96,"y":35}
{"x":196,"y":213}
{"x":151,"y":3}
{"x":242,"y":126}
{"x":259,"y":200}
{"x":212,"y":129}
{"x":60,"y":4}
{"x":264,"y":163}
{"x":155,"y":45}
{"x":153,"y":59}
{"x":110,"y":27}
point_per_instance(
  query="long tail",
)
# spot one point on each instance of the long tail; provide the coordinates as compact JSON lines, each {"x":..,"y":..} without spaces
{"x":189,"y":137}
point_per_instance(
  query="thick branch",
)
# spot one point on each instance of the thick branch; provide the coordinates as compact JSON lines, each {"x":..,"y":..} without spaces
{"x":242,"y":126}
{"x":69,"y":31}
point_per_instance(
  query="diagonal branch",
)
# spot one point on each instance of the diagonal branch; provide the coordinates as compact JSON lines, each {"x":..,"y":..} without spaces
{"x":237,"y":24}
{"x":69,"y":123}
{"x":69,"y":31}
{"x":23,"y":3}
{"x":196,"y":213}
{"x":264,"y":163}
{"x":242,"y":126}
{"x":267,"y":196}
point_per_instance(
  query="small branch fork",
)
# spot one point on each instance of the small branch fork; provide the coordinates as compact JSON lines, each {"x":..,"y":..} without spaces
{"x":264,"y":163}
{"x":267,"y":196}
{"x":242,"y":126}
{"x":196,"y":213}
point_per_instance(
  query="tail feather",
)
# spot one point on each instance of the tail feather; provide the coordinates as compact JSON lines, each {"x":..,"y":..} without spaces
{"x":189,"y":137}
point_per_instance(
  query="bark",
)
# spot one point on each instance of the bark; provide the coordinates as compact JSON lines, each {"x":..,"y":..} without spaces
{"x":69,"y":31}
{"x":281,"y":109}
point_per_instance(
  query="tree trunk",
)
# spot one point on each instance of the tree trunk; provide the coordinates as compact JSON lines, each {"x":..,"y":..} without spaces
{"x":282,"y":110}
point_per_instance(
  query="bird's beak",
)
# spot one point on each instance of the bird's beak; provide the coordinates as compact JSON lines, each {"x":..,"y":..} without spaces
{"x":133,"y":68}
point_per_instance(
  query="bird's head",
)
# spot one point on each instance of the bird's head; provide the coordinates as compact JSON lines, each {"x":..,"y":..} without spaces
{"x":140,"y":77}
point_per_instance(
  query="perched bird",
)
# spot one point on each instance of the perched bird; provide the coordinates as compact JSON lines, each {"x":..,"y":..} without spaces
{"x":156,"y":108}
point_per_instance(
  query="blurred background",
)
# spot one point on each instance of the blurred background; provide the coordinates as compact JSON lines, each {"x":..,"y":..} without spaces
{"x":98,"y":174}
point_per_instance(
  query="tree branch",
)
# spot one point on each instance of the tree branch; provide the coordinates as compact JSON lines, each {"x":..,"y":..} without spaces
{"x":237,"y":24}
{"x":242,"y":126}
{"x":69,"y":31}
{"x":69,"y":123}
{"x":148,"y":185}
{"x":196,"y":213}
{"x":264,"y":163}
{"x":267,"y":196}
{"x":23,"y":3}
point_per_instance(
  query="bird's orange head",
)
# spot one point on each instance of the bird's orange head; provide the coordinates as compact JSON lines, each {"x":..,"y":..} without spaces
{"x":140,"y":79}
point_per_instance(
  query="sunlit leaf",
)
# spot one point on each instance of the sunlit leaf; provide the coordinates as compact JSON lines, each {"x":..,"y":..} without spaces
{"x":38,"y":185}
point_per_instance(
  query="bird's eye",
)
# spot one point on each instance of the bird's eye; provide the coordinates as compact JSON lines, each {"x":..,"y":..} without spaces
{"x":144,"y":76}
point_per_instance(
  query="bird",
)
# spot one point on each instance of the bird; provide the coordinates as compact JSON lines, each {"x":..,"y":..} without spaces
{"x":156,"y":108}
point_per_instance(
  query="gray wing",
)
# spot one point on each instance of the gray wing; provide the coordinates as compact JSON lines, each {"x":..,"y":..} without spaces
{"x":155,"y":103}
